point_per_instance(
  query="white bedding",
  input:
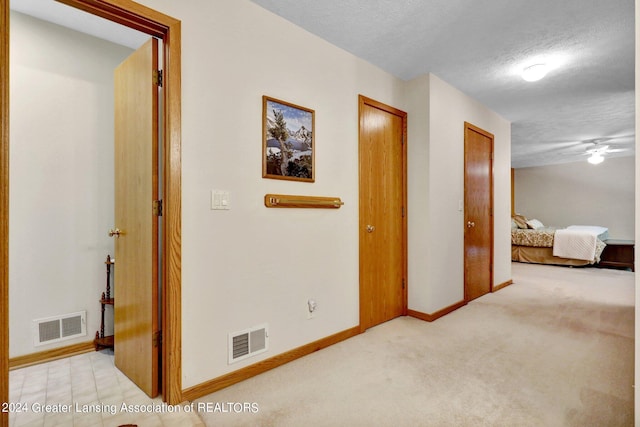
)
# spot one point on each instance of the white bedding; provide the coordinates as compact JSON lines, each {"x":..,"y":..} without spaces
{"x":577,"y":241}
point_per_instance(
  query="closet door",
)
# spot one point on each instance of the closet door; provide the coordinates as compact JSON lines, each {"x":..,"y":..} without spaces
{"x":383,"y":294}
{"x":478,"y":212}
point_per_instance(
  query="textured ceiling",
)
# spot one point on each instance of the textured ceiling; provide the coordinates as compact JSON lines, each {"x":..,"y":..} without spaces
{"x":480,"y":47}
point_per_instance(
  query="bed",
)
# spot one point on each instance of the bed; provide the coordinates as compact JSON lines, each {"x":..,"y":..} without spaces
{"x":576,"y":245}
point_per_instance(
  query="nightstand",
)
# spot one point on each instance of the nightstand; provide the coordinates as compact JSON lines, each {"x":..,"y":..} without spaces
{"x":618,"y":254}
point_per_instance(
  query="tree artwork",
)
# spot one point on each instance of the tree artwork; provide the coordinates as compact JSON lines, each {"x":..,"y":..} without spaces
{"x":281,"y":134}
{"x":288,"y":146}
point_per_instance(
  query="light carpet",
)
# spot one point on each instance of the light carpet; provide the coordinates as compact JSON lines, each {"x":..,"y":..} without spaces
{"x":556,"y":348}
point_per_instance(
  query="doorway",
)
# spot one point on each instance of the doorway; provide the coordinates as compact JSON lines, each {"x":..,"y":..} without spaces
{"x":478,"y":212}
{"x":167,"y":29}
{"x":383,"y":220}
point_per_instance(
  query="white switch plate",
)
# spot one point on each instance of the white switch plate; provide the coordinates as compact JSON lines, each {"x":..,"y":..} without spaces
{"x":220,"y":200}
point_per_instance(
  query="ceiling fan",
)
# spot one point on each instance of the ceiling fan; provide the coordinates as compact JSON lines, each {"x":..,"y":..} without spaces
{"x":598,"y":150}
{"x":595,"y":148}
{"x":568,"y":151}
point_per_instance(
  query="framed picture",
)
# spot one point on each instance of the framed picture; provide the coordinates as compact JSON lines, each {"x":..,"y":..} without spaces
{"x":287,"y":141}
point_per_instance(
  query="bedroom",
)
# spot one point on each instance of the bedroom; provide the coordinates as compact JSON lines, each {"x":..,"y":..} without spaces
{"x":578,"y":193}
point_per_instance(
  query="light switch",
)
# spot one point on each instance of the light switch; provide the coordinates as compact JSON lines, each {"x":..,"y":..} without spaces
{"x":220,"y":200}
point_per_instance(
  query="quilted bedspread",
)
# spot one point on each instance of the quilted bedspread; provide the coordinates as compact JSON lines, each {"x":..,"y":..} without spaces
{"x":540,"y":238}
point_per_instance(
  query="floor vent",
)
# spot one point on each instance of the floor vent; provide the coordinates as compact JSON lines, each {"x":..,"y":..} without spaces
{"x":59,"y":328}
{"x":248,"y":343}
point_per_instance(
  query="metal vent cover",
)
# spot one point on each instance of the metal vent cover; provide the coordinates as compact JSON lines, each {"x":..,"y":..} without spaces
{"x":240,"y":345}
{"x":59,"y":328}
{"x":248,"y":343}
{"x":49,"y":330}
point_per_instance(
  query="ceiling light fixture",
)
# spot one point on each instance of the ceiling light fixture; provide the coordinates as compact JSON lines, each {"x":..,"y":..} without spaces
{"x":597,"y":153}
{"x":534,"y":72}
{"x":595,"y":158}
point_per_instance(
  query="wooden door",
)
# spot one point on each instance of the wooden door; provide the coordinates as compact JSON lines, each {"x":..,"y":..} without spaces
{"x":478,"y":208}
{"x":382,"y":221}
{"x":136,"y":249}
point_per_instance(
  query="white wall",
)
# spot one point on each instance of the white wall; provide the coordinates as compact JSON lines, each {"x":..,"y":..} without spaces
{"x":419,"y":195}
{"x":61,"y":182}
{"x":436,"y":189}
{"x":580,"y":193}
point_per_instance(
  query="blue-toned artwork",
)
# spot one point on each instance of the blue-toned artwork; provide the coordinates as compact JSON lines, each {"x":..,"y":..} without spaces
{"x":288,"y":145}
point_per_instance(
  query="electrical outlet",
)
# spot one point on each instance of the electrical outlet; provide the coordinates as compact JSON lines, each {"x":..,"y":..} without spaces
{"x":312,"y":306}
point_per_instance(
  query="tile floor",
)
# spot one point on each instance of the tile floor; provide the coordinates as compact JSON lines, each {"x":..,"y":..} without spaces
{"x":86,"y":390}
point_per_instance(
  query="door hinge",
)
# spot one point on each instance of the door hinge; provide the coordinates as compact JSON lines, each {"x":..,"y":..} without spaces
{"x":403,"y":212}
{"x":157,"y":338}
{"x":157,"y":207}
{"x":157,"y":77}
{"x":403,"y":285}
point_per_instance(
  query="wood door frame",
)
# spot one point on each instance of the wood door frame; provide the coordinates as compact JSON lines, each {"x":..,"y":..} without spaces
{"x":469,"y":127}
{"x":166,"y":28}
{"x":4,"y":209}
{"x":362,"y":101}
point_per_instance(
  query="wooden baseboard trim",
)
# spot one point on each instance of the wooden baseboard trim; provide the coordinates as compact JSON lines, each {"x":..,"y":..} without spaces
{"x":242,"y":374}
{"x":49,"y":355}
{"x":502,"y":285}
{"x":438,"y":314}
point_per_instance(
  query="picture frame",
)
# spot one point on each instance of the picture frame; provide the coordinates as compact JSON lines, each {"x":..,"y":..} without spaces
{"x":288,"y":141}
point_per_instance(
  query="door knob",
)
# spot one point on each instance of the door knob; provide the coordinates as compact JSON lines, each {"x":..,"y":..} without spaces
{"x":370,"y":228}
{"x":471,"y":224}
{"x":115,"y":232}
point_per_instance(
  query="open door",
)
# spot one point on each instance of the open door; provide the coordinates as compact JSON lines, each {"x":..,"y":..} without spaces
{"x":136,"y":329}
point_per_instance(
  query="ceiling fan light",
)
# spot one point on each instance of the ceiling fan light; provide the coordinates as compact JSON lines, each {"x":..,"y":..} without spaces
{"x":534,"y":72}
{"x":595,"y":158}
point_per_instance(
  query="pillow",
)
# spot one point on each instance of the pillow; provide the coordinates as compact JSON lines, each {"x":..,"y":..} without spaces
{"x":514,"y":226}
{"x":535,"y":224}
{"x":521,"y":221}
